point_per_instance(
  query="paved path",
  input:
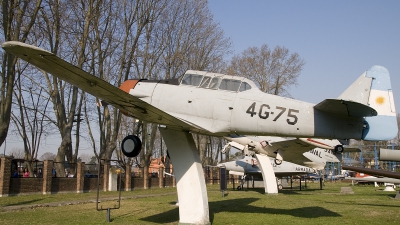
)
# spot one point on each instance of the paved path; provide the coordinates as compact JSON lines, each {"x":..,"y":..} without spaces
{"x":54,"y":204}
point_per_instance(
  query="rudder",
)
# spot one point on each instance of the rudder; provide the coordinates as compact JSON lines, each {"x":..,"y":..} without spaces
{"x":383,"y":126}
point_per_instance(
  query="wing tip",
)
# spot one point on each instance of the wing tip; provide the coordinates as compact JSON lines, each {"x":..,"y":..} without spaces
{"x":16,"y":46}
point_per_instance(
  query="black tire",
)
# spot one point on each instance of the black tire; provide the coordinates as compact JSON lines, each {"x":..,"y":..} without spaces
{"x":239,"y":187}
{"x":339,"y":148}
{"x":280,"y":187}
{"x":278,"y":161}
{"x":131,"y":146}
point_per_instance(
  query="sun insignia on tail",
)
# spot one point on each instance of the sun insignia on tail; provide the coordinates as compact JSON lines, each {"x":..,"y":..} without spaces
{"x":380,"y":100}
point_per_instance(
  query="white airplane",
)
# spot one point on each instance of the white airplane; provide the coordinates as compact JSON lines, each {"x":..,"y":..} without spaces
{"x":220,"y":105}
{"x":310,"y":152}
{"x":246,"y":165}
{"x":387,"y":177}
{"x":249,"y":165}
{"x":301,"y":151}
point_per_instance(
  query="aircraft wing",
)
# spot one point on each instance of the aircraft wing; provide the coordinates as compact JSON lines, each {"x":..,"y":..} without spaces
{"x":293,"y":150}
{"x":120,"y":99}
{"x":377,"y":179}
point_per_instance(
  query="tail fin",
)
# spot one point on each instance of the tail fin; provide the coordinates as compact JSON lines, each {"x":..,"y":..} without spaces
{"x":373,"y":88}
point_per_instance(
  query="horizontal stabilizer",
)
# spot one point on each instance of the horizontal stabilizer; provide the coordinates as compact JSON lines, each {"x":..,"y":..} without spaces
{"x":345,"y":108}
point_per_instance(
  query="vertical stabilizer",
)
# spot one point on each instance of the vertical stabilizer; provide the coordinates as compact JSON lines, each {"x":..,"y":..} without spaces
{"x":383,"y":126}
{"x":359,"y":90}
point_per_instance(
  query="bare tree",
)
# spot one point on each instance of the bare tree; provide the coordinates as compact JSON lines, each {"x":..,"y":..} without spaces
{"x":31,"y":119}
{"x":135,"y":17}
{"x":17,"y":153}
{"x":47,"y":156}
{"x":18,"y":18}
{"x":117,"y":40}
{"x":85,"y":157}
{"x":185,"y":37}
{"x":274,"y":71}
{"x":191,"y":39}
{"x":65,"y":31}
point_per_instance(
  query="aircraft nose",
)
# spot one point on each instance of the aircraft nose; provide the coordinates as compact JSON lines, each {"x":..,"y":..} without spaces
{"x":220,"y":164}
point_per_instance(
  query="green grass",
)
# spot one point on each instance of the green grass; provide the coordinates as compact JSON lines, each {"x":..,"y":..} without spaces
{"x":368,"y":205}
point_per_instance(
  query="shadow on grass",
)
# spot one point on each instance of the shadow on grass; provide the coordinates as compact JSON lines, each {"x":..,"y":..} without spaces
{"x":365,"y":204}
{"x":243,"y":206}
{"x":285,"y":191}
{"x":25,"y":202}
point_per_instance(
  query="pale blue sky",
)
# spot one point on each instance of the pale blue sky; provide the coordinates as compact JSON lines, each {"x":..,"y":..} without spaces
{"x":339,"y":40}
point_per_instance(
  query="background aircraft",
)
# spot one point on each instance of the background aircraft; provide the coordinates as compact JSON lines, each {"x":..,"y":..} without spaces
{"x":219,"y":105}
{"x":387,"y":177}
{"x":310,"y":152}
{"x":247,"y":165}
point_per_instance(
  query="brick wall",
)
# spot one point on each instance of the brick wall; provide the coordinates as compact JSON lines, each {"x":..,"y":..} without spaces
{"x":25,"y":185}
{"x":90,"y":184}
{"x":63,"y":184}
{"x":5,"y":176}
{"x":137,"y":183}
{"x":78,"y":184}
{"x":169,"y":182}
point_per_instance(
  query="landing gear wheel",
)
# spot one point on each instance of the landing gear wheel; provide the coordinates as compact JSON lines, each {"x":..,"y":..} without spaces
{"x":280,"y":187}
{"x":131,"y":146}
{"x":339,"y":148}
{"x":239,"y":187}
{"x":278,"y":161}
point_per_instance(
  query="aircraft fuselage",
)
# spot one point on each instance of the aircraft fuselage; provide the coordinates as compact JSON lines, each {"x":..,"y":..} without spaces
{"x":250,"y":165}
{"x":249,"y":112}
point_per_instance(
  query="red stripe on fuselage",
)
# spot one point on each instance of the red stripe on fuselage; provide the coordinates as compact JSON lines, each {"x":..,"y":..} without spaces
{"x":320,"y":143}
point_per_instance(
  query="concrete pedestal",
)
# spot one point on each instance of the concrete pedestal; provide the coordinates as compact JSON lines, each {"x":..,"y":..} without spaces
{"x":191,"y":186}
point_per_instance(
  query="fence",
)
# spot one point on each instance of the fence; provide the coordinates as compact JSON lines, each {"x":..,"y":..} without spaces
{"x":79,"y":177}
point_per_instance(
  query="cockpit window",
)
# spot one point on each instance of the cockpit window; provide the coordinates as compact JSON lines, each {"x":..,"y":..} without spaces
{"x":204,"y":83}
{"x":192,"y":79}
{"x":229,"y":84}
{"x":214,"y":83}
{"x":244,"y":87}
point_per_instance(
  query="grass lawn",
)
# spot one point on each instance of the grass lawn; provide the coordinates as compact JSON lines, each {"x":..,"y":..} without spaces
{"x":368,"y":205}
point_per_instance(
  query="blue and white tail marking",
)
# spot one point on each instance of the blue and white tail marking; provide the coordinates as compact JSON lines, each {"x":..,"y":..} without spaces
{"x":383,"y":126}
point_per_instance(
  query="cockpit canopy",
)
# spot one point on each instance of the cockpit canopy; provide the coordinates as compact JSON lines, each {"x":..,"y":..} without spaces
{"x":216,"y":81}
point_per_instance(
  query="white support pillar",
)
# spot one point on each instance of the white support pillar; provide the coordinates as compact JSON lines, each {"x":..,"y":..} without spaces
{"x":191,"y":186}
{"x":268,"y":174}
